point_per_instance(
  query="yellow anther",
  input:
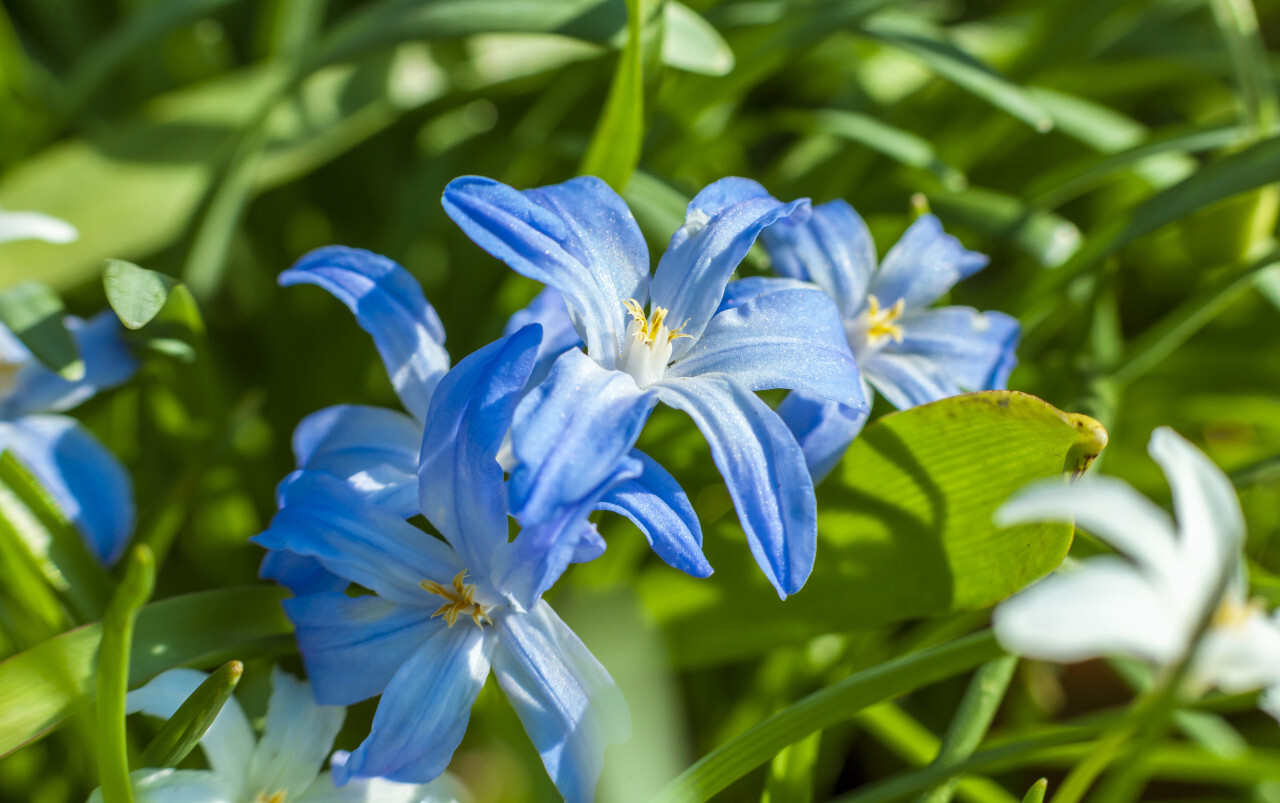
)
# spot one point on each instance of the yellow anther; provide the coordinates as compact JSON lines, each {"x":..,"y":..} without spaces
{"x":1234,"y":614}
{"x":277,"y":796}
{"x":651,"y":327}
{"x":461,"y":601}
{"x":880,"y":321}
{"x":9,"y":376}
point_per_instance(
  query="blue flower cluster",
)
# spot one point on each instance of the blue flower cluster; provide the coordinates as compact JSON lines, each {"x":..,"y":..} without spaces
{"x":539,"y":428}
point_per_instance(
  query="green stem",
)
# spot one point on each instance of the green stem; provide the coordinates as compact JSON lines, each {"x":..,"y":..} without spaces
{"x":837,"y":702}
{"x":113,"y":674}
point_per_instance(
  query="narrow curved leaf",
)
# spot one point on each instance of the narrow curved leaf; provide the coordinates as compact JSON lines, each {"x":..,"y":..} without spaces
{"x":187,"y":726}
{"x":690,"y":43}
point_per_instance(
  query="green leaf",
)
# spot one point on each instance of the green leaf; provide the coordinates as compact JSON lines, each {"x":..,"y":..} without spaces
{"x":34,"y":313}
{"x":39,"y":688}
{"x":835,"y":703}
{"x":896,"y":143}
{"x":136,"y":294}
{"x":187,"y":726}
{"x":1037,"y":791}
{"x":1046,"y":237}
{"x":904,"y":531}
{"x":113,"y":673}
{"x":614,"y":151}
{"x":690,"y":43}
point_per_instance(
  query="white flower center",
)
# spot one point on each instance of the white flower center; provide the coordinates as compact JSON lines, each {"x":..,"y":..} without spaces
{"x":459,"y":601}
{"x":875,"y":326}
{"x":277,"y":796}
{"x":647,"y":350}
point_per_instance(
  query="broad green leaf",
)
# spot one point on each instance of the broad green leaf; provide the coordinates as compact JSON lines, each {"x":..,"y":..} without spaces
{"x":113,"y":672}
{"x":187,"y":726}
{"x":835,"y":703}
{"x":614,"y":151}
{"x":35,"y":315}
{"x":53,"y":542}
{"x":904,"y":531}
{"x":136,"y":294}
{"x":690,"y":43}
{"x":42,"y":686}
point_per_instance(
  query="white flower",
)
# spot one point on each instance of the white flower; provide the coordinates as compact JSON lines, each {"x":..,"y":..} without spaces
{"x":35,"y":226}
{"x":282,"y":767}
{"x":1147,"y":601}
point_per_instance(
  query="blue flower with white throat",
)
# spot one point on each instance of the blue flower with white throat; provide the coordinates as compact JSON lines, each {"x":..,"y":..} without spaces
{"x":665,"y":339}
{"x":444,"y":612}
{"x":1148,"y":601}
{"x":908,"y":351}
{"x":284,"y":766}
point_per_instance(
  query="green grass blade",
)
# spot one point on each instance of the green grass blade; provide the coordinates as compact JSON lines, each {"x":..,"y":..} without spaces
{"x":724,"y":765}
{"x":1238,"y":24}
{"x":113,"y":673}
{"x":1036,"y":793}
{"x":896,"y":143}
{"x":187,"y":726}
{"x":614,"y":151}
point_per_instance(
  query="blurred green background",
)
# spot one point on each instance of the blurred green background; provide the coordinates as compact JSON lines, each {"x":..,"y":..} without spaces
{"x":1117,"y":161}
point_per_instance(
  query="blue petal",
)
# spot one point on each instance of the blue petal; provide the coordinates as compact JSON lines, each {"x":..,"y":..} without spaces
{"x":570,"y":433}
{"x":591,"y":545}
{"x":570,"y":707}
{"x":323,"y":518}
{"x":833,"y":249}
{"x":764,"y":470}
{"x":388,"y":304}
{"x":424,"y":711}
{"x":558,"y":335}
{"x":578,"y":237}
{"x":908,"y":379}
{"x":299,"y":574}
{"x":107,"y":363}
{"x":740,"y":291}
{"x":790,"y":339}
{"x":460,"y":481}
{"x":86,"y":480}
{"x":721,"y":224}
{"x":375,"y":450}
{"x":976,"y":350}
{"x":923,"y":265}
{"x":656,"y":503}
{"x":352,"y":646}
{"x":823,"y":428}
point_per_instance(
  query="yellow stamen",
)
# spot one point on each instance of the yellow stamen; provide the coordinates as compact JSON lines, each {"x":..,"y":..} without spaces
{"x":461,"y":600}
{"x":650,"y":327}
{"x":277,"y":796}
{"x":1234,"y":614}
{"x":880,"y":321}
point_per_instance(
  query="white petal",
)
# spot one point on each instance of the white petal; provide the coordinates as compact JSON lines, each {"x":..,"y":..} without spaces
{"x":1106,"y":507}
{"x":177,"y":786}
{"x":1210,"y":523}
{"x":444,"y":789}
{"x":35,"y":226}
{"x":1270,"y":701}
{"x":1240,"y":657}
{"x":227,"y":744}
{"x":296,"y":738}
{"x":1104,"y":607}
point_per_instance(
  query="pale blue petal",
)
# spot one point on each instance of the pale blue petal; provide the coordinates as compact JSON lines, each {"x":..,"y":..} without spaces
{"x":923,"y":265}
{"x":791,"y":339}
{"x":107,"y":363}
{"x":374,"y":449}
{"x":908,"y":379}
{"x":388,"y":304}
{"x":424,"y":711}
{"x":763,"y":468}
{"x":228,"y":743}
{"x":86,"y":480}
{"x":656,"y":503}
{"x":823,"y":428}
{"x":324,"y":519}
{"x":352,"y":646}
{"x":721,"y":225}
{"x":833,"y":249}
{"x":298,"y":573}
{"x":740,"y":291}
{"x":558,"y":335}
{"x":570,"y":433}
{"x":460,"y":481}
{"x":578,"y":237}
{"x":975,"y":350}
{"x":445,"y":789}
{"x":570,"y":707}
{"x":178,"y":786}
{"x":296,"y":738}
{"x":591,"y":545}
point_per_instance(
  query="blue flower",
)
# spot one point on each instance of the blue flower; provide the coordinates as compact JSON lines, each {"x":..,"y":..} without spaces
{"x":580,"y":238}
{"x":88,"y":483}
{"x":908,"y":352}
{"x":376,"y":451}
{"x":444,"y":612}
